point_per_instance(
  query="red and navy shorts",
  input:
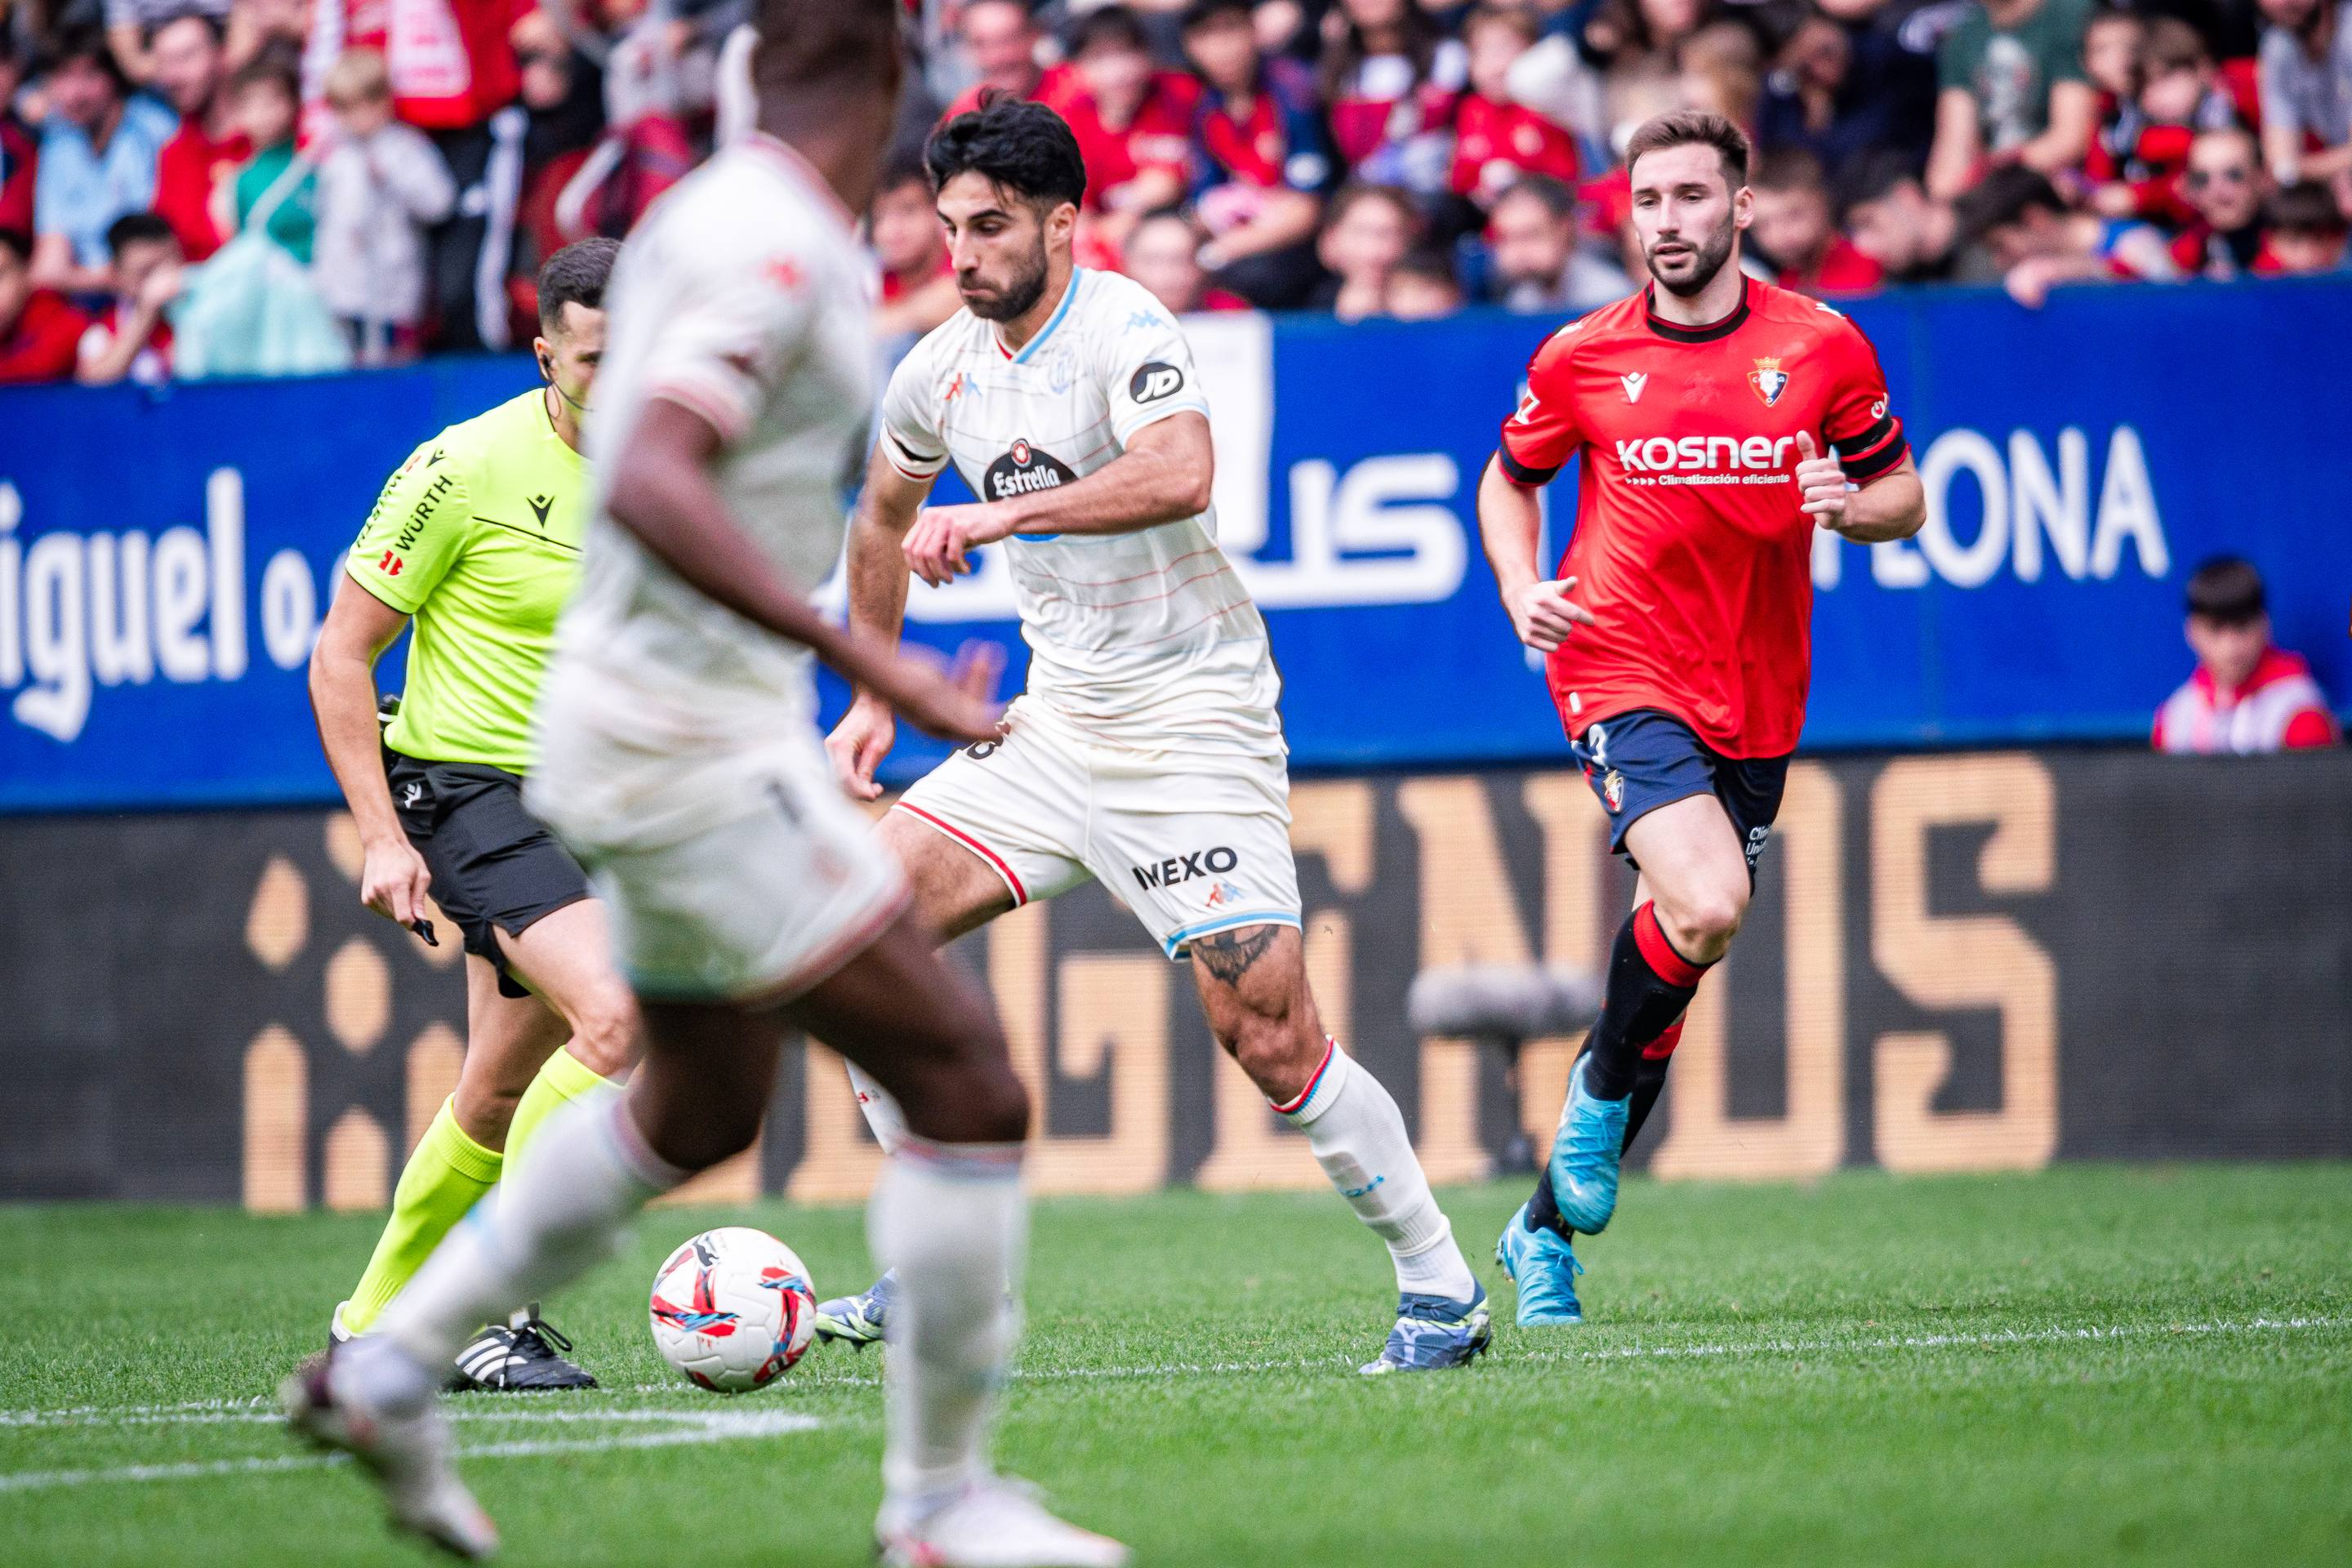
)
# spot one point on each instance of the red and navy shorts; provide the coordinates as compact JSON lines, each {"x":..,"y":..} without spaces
{"x":1640,"y":760}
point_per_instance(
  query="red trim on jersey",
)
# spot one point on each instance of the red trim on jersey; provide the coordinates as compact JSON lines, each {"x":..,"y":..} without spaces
{"x":1020,"y":893}
{"x":1659,"y":954}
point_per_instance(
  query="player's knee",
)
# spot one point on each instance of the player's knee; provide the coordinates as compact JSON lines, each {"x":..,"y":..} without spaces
{"x":604,"y":1036}
{"x":1702,"y":923}
{"x":1268,"y":1045}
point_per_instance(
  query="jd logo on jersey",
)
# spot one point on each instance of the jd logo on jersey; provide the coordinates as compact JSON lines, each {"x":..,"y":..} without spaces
{"x":1179,"y":868}
{"x":1768,"y":380}
{"x":1024,"y":471}
{"x":1154,"y":381}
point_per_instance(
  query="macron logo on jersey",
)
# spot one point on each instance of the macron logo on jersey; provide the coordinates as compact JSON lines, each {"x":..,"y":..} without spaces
{"x":1634,"y":381}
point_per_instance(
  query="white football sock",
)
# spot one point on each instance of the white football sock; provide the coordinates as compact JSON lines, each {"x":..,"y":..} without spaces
{"x":560,"y":1213}
{"x":882,"y":1112}
{"x":1358,"y":1138}
{"x":951,"y":1220}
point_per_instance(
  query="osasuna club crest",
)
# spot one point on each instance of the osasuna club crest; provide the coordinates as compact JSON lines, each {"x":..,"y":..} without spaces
{"x":1768,"y":380}
{"x":1612,"y":788}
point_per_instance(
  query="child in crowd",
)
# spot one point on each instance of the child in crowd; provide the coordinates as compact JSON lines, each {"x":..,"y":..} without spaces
{"x":380,"y":185}
{"x":2306,"y":229}
{"x":1497,"y":139}
{"x":266,"y":105}
{"x":131,"y":338}
{"x":1369,"y":230}
{"x":1422,"y":286}
{"x":2136,"y":160}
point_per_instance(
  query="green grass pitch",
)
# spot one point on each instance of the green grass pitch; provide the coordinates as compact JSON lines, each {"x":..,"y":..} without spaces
{"x":2094,"y":1365}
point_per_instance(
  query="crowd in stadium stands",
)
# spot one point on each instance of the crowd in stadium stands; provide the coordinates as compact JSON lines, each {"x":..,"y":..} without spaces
{"x":395,"y":187}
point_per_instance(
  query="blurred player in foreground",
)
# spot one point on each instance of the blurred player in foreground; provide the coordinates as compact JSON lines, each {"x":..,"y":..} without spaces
{"x":1719,"y":420}
{"x":477,"y":540}
{"x":749,"y":897}
{"x":1147,"y":752}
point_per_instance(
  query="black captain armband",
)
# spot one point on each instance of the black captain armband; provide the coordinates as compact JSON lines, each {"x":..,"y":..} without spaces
{"x":1519,"y":473}
{"x":1874,"y":451}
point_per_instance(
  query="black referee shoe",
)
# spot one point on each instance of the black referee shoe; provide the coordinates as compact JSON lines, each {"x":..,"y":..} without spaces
{"x":525,"y":1356}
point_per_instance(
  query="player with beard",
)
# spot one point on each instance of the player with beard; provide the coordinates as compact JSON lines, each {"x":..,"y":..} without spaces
{"x":1147,"y":751}
{"x":1719,"y":420}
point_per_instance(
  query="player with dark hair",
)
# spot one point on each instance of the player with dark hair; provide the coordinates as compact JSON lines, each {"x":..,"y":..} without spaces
{"x":1719,"y":420}
{"x":2249,"y":695}
{"x":475,"y":543}
{"x":749,"y":897}
{"x":1147,"y":752}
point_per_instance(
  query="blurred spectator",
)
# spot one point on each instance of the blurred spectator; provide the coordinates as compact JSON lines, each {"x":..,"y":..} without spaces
{"x":1540,"y":262}
{"x":1163,"y":254}
{"x":1369,"y":230}
{"x":2039,"y":242}
{"x":2306,"y":89}
{"x":1496,"y":139}
{"x":919,"y":288}
{"x":1842,"y":85}
{"x":40,"y":332}
{"x":133,"y":27}
{"x":1722,"y":72}
{"x":1638,"y":44}
{"x":1794,"y":229}
{"x":1001,"y":39}
{"x":563,"y":97}
{"x":2247,"y":696}
{"x":131,"y":338}
{"x":265,"y":105}
{"x":380,"y":183}
{"x":1133,"y":122}
{"x":1261,"y":159}
{"x":98,"y":152}
{"x":2225,"y":187}
{"x":2179,"y":95}
{"x":2012,"y":90}
{"x":256,"y":24}
{"x":1913,"y":237}
{"x":2308,"y":230}
{"x":1390,"y":81}
{"x":190,"y":72}
{"x":455,"y":77}
{"x":20,"y":149}
{"x":1423,"y":287}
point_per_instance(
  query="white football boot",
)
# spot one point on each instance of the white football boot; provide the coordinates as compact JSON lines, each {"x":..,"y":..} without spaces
{"x":994,"y":1522}
{"x":407,"y":1455}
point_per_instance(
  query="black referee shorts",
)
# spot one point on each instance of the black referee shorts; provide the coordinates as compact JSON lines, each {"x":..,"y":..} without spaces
{"x":495,"y":867}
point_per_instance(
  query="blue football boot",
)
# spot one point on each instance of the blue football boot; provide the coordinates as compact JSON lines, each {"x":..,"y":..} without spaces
{"x":1543,"y":1265}
{"x":857,"y":1321}
{"x":1584,"y":1156}
{"x":1432,"y":1332}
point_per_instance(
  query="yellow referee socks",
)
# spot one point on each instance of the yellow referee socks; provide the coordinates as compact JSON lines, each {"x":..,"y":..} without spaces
{"x":563,"y":1080}
{"x":445,"y":1178}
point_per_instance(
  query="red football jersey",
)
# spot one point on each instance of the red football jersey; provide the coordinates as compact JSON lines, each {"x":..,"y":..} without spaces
{"x":1690,"y":547}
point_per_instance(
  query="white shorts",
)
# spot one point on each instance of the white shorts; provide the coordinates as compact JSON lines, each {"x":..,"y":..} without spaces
{"x":1191,"y":842}
{"x":760,"y":899}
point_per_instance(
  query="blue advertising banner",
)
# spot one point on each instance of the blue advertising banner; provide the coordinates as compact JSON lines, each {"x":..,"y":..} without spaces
{"x":164,"y":556}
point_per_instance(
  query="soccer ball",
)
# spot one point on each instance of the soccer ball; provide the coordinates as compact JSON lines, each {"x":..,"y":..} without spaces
{"x":732,"y":1310}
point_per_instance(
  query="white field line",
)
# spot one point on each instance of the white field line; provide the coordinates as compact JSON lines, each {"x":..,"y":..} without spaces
{"x":261,"y":1409}
{"x":669,"y":1428}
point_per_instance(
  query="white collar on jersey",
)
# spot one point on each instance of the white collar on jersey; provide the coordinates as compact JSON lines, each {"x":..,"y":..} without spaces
{"x":1069,"y":294}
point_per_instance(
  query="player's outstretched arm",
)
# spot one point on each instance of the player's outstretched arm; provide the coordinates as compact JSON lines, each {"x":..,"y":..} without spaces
{"x":1891,"y":506}
{"x":1165,"y":474}
{"x":1510,"y":523}
{"x":661,"y":493}
{"x":359,"y":627}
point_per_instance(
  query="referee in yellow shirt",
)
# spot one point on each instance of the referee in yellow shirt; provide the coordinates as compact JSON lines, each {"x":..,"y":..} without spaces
{"x":475,"y":542}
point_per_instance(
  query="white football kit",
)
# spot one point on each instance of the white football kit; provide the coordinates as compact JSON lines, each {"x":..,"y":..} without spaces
{"x":1147,"y":751}
{"x":678,"y":746}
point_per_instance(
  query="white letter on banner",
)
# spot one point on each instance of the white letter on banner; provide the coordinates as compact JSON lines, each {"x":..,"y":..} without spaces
{"x":1234,"y":356}
{"x":54,"y":646}
{"x":289,"y":608}
{"x":1827,"y":564}
{"x":1972,"y":566}
{"x":119,"y":647}
{"x":12,"y":556}
{"x":225,"y":522}
{"x":2127,"y":510}
{"x":2060,"y":507}
{"x":180,"y":604}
